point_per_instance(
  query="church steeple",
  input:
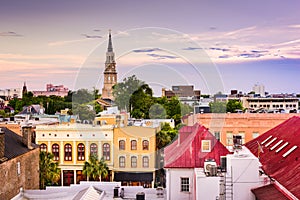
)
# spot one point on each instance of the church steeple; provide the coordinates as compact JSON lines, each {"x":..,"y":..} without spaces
{"x":109,"y":48}
{"x":110,"y":73}
{"x":24,"y":91}
{"x":110,"y":55}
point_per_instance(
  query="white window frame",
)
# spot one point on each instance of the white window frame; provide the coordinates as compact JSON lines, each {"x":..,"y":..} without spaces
{"x":209,"y":145}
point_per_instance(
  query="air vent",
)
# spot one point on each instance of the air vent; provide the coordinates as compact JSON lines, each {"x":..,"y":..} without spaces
{"x":267,"y":139}
{"x":289,"y":151}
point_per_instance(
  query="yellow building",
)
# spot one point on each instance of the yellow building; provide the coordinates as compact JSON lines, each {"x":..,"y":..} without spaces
{"x":134,"y":155}
{"x":73,"y":144}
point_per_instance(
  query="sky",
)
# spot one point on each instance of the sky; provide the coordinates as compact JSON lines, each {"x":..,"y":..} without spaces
{"x":213,"y":45}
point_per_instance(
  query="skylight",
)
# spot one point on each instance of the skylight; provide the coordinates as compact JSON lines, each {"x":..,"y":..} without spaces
{"x":266,"y":139}
{"x":289,"y":151}
{"x":280,"y":148}
{"x":271,"y":141}
{"x":276,"y":145}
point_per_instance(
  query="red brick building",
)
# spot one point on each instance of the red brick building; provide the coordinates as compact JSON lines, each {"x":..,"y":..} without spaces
{"x":248,"y":125}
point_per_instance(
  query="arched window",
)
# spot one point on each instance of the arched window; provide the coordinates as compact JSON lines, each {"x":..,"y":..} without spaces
{"x":80,"y":152}
{"x":55,"y":151}
{"x":94,"y":149}
{"x":43,"y":147}
{"x":68,"y":152}
{"x":106,"y":151}
{"x":145,"y":145}
{"x":145,"y":161}
{"x":133,"y":161}
{"x":133,"y":144}
{"x":122,"y":145}
{"x":122,"y":161}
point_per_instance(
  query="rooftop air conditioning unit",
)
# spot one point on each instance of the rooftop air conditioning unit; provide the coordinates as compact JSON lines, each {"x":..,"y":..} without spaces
{"x":207,"y":166}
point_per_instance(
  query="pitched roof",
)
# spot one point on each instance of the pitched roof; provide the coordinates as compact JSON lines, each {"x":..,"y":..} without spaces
{"x":280,"y":157}
{"x":185,"y":152}
{"x":269,"y":192}
{"x":13,"y":144}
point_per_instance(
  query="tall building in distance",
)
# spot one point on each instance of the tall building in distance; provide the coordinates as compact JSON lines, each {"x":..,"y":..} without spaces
{"x":259,"y":89}
{"x":110,"y":73}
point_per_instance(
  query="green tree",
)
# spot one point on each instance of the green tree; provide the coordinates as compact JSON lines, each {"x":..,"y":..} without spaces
{"x":140,"y":102}
{"x":49,"y":171}
{"x":217,"y":107}
{"x":83,"y":96}
{"x":157,"y":111}
{"x":186,"y":109}
{"x":233,"y":105}
{"x":94,"y":168}
{"x":173,"y":108}
{"x":122,"y":91}
{"x":165,"y":136}
{"x":85,"y":112}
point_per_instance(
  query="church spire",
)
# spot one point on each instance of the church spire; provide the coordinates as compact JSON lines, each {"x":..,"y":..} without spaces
{"x":110,"y":48}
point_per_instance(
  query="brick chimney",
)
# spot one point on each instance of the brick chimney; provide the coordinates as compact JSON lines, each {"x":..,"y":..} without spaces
{"x":27,"y":136}
{"x":2,"y":143}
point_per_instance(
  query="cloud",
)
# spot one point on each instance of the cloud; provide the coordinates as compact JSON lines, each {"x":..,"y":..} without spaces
{"x":250,"y":55}
{"x":96,"y":30}
{"x":146,"y":50}
{"x":218,"y":49}
{"x":288,"y":43}
{"x":242,"y":30}
{"x":224,"y":56}
{"x":294,"y":26}
{"x":158,"y":56}
{"x":66,"y":42}
{"x":10,"y":34}
{"x":192,"y":48}
{"x":259,"y":51}
{"x":91,"y":36}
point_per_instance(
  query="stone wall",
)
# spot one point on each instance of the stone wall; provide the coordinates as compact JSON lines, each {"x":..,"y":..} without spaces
{"x":13,"y":179}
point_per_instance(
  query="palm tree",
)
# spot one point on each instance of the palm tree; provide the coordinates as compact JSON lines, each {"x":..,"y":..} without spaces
{"x":49,"y":171}
{"x":89,"y":166}
{"x":102,"y":169}
{"x":95,"y":168}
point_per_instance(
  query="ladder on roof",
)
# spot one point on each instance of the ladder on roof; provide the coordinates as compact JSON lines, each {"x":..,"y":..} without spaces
{"x":226,"y":187}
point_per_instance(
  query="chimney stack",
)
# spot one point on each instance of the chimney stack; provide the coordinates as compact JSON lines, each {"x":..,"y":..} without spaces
{"x":27,"y":136}
{"x":2,"y":143}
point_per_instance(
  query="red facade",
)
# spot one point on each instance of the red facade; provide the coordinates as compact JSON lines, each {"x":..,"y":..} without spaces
{"x":186,"y":151}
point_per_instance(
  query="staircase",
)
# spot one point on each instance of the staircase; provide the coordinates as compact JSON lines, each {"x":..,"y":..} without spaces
{"x":226,"y":187}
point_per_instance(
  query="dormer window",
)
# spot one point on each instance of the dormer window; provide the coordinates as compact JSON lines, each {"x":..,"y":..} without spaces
{"x":206,"y":146}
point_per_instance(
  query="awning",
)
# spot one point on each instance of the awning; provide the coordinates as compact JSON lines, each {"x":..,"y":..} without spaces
{"x":131,"y":176}
{"x":268,"y":192}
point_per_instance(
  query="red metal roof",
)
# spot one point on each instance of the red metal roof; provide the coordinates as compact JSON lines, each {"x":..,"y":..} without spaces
{"x":186,"y":152}
{"x":276,"y":162}
{"x":269,"y":192}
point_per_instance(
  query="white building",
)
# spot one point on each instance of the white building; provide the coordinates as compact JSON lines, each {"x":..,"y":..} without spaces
{"x":185,"y":161}
{"x":10,"y":93}
{"x":195,"y":169}
{"x":259,"y":89}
